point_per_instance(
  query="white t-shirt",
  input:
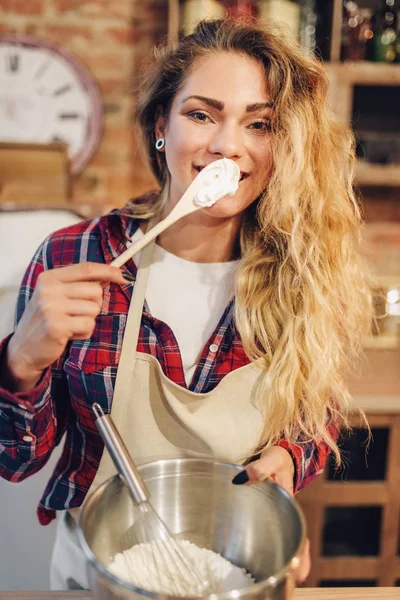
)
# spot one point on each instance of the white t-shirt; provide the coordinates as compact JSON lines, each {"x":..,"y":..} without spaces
{"x":189,"y":297}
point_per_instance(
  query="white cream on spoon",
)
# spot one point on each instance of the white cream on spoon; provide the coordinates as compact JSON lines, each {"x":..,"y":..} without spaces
{"x":218,"y":179}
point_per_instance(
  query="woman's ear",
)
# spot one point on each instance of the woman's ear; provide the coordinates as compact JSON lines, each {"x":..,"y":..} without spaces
{"x":159,"y":128}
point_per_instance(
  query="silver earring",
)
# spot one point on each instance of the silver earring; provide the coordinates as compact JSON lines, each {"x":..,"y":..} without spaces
{"x":160,"y":143}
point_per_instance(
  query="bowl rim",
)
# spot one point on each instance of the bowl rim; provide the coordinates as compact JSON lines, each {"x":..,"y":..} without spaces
{"x":254,"y":588}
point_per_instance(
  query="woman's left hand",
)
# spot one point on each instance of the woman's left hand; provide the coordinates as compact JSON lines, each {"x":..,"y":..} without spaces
{"x":276,"y":464}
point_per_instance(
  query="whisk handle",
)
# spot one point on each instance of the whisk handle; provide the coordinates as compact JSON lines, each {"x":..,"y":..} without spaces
{"x":120,"y":455}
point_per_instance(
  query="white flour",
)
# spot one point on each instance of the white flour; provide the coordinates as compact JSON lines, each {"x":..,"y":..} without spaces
{"x":143,"y":565}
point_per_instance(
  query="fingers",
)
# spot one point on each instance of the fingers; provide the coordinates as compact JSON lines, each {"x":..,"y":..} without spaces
{"x":80,"y":327}
{"x":67,"y":327}
{"x":64,"y":306}
{"x":90,"y":291}
{"x":83,"y":308}
{"x":56,"y":300}
{"x":88,"y":271}
{"x":275,"y":464}
{"x":83,"y":282}
{"x":266,"y":466}
{"x":304,"y":567}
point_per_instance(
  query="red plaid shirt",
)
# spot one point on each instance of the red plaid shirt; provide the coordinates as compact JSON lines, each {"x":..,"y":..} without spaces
{"x":33,"y":423}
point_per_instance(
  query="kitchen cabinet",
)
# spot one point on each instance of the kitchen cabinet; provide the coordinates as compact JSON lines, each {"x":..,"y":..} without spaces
{"x":353,"y":518}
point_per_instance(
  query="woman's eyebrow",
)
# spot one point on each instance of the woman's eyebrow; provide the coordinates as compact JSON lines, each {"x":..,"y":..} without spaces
{"x":218,"y":105}
{"x":258,"y":106}
{"x":210,"y":101}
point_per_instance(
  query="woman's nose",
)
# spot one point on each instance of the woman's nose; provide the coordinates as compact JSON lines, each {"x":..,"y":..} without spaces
{"x":227,"y":141}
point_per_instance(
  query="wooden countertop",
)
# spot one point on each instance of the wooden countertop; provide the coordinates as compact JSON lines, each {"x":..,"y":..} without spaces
{"x":359,"y":593}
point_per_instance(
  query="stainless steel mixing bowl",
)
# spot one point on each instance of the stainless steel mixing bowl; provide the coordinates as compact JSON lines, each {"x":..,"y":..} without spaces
{"x":259,"y":527}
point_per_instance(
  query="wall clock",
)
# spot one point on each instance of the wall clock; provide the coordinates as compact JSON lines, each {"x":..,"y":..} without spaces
{"x":47,"y":95}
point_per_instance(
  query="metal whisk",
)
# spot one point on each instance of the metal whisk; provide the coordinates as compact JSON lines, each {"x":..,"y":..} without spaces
{"x":155,"y":542}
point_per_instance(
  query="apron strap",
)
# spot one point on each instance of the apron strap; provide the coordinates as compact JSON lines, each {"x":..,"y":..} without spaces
{"x":132,"y":329}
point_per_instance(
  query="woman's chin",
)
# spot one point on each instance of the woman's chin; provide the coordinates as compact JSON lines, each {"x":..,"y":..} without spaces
{"x":219,"y":211}
{"x":227,"y":207}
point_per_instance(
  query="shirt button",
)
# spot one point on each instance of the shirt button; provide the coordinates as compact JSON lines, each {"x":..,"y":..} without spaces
{"x":213,"y":348}
{"x":27,"y":438}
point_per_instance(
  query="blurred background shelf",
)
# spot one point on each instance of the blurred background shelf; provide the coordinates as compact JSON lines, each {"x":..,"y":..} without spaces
{"x":380,"y":175}
{"x":353,"y":514}
{"x":383,"y":342}
{"x":364,"y":71}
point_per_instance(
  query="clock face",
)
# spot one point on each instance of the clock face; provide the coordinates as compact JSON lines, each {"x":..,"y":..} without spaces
{"x":47,"y":95}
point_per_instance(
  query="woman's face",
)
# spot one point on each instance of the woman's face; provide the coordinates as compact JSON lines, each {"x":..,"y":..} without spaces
{"x":222,"y":111}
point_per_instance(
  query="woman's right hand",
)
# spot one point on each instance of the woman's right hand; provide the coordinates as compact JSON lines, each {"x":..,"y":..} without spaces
{"x":63,"y":307}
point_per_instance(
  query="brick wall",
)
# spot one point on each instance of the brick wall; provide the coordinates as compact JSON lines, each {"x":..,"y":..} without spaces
{"x":111,"y":37}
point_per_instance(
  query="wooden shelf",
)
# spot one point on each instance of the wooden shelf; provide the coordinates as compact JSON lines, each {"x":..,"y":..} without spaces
{"x":378,"y":405}
{"x":378,"y":175}
{"x":323,"y":494}
{"x":365,"y":72}
{"x":382,"y":342}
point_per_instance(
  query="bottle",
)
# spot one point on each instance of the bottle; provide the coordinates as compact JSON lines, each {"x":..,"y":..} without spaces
{"x":242,"y":9}
{"x":356,"y":31}
{"x":382,"y":46}
{"x":308,"y":26}
{"x":350,"y":30}
{"x":196,"y":10}
{"x":282,"y":11}
{"x":365,"y":32}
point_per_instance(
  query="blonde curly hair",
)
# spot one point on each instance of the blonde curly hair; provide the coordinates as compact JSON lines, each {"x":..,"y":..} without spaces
{"x":302,"y":297}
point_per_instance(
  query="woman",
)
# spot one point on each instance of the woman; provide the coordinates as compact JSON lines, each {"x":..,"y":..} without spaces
{"x":257,"y":303}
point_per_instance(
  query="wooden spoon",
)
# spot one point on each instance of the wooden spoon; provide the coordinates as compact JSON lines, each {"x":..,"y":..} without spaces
{"x":187,"y":204}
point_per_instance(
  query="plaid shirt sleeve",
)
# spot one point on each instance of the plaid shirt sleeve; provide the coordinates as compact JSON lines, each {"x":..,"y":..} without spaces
{"x":30,"y":426}
{"x":309,"y":458}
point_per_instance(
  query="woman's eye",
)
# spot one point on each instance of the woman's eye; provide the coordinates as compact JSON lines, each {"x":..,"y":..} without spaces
{"x":198,"y":115}
{"x":261,"y":126}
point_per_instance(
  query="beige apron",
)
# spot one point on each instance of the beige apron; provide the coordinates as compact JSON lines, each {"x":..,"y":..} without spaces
{"x":160,"y":419}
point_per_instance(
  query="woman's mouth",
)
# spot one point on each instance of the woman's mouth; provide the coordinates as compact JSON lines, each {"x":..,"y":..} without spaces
{"x":243,"y":174}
